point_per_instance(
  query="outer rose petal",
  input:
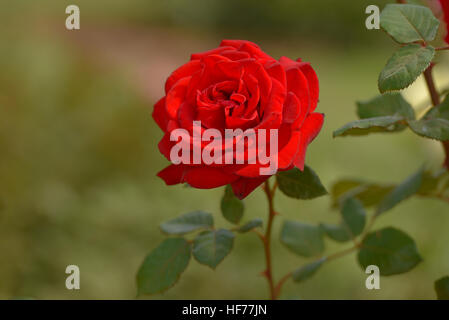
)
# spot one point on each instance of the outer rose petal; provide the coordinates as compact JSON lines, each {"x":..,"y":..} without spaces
{"x":160,"y":114}
{"x":310,"y":129}
{"x":244,"y":186}
{"x":173,"y":174}
{"x":176,"y":96}
{"x":445,"y":6}
{"x":208,"y":177}
{"x":246,"y":46}
{"x":313,"y":83}
{"x":184,"y":71}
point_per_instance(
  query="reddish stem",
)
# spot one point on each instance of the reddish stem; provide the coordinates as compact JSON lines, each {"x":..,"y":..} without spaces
{"x":267,"y":240}
{"x":436,"y":101}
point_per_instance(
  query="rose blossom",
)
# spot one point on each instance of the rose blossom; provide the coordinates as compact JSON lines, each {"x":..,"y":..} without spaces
{"x":238,"y":86}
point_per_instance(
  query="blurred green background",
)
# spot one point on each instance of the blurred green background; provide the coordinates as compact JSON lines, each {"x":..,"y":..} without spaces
{"x":78,"y":147}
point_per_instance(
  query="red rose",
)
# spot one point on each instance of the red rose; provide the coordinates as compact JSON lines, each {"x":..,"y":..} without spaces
{"x":445,"y":6}
{"x":238,"y":86}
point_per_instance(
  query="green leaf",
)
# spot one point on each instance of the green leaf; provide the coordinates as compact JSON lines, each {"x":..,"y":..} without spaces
{"x":300,"y":184}
{"x":434,"y":185}
{"x":336,"y":232}
{"x":435,"y":124}
{"x":408,"y":23}
{"x":163,"y":266}
{"x":354,"y":216}
{"x":231,"y":207}
{"x":392,"y":250}
{"x":406,"y":189}
{"x":353,"y":221}
{"x":303,"y":239}
{"x":437,"y":129}
{"x":392,"y":104}
{"x":442,"y":288}
{"x":404,"y":67}
{"x":211,"y":247}
{"x":250,"y":225}
{"x":370,"y":194}
{"x":188,"y":222}
{"x":370,"y":125}
{"x":307,"y":271}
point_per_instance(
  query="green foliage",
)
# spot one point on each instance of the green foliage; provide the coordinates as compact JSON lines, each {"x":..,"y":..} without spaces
{"x":392,"y":250}
{"x":408,"y":23}
{"x":250,"y":225}
{"x":353,"y":221}
{"x":442,"y":288}
{"x":303,"y":239}
{"x":433,"y":185}
{"x":371,"y":125}
{"x":300,"y":184}
{"x":406,"y":189}
{"x":307,"y":271}
{"x":188,"y":222}
{"x":370,"y":194}
{"x":163,"y":266}
{"x":404,"y":67}
{"x":385,"y":105}
{"x":435,"y":124}
{"x":232,"y":207}
{"x":211,"y":247}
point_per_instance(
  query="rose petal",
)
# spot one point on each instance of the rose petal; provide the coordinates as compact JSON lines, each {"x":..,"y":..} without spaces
{"x":312,"y":80}
{"x":185,"y":70}
{"x":291,"y":108}
{"x":310,"y":129}
{"x":173,"y":174}
{"x":244,"y":186}
{"x":176,"y":96}
{"x":208,"y":177}
{"x":160,"y":114}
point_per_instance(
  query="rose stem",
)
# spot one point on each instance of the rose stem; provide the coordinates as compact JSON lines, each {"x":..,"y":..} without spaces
{"x":436,"y":101}
{"x":266,"y":239}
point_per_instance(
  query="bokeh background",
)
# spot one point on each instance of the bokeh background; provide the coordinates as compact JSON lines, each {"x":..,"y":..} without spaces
{"x":78,"y":147}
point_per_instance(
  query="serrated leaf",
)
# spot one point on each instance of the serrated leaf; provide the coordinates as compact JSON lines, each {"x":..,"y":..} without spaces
{"x":300,"y":184}
{"x":163,"y":266}
{"x":303,"y":239}
{"x":404,"y":67}
{"x":403,"y":191}
{"x":442,"y":288}
{"x":370,"y":125}
{"x":408,"y":23}
{"x":370,"y":194}
{"x":231,"y":207}
{"x":307,"y":271}
{"x":437,"y":129}
{"x":385,"y":105}
{"x":392,"y":250}
{"x":435,"y":124}
{"x":188,"y":222}
{"x":250,"y":225}
{"x":211,"y":247}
